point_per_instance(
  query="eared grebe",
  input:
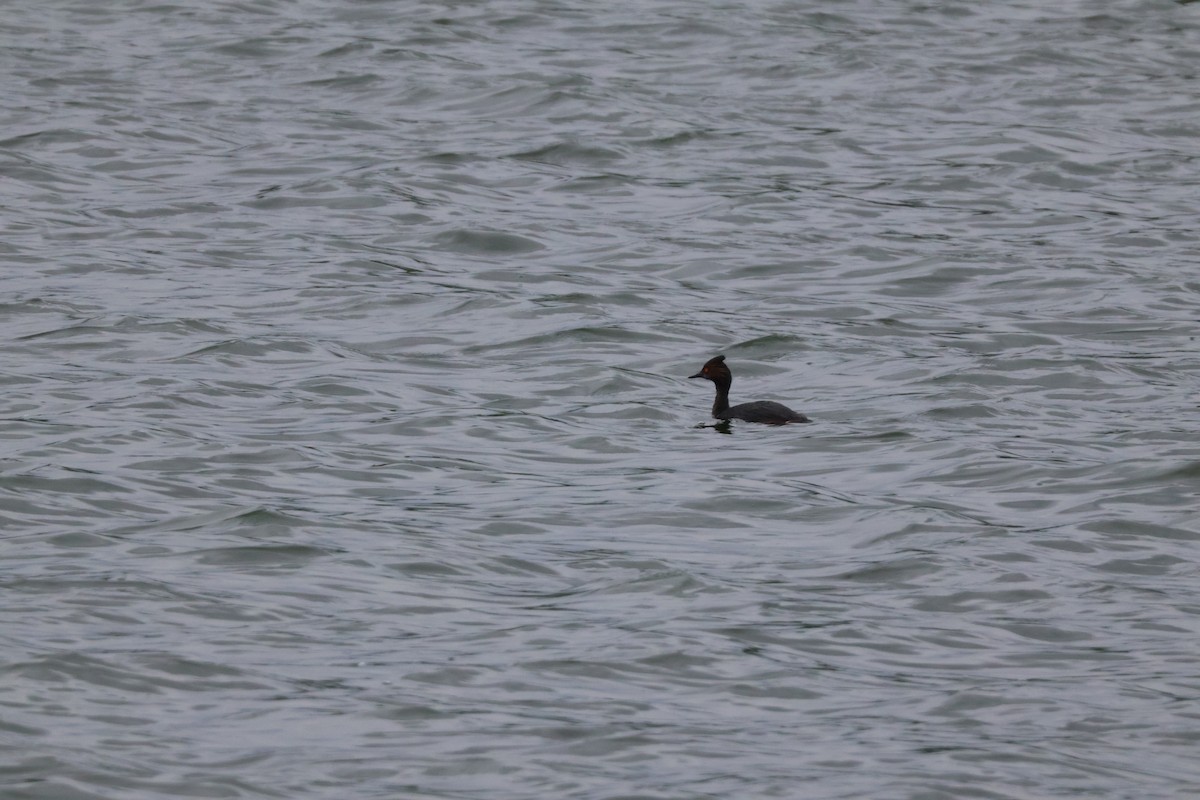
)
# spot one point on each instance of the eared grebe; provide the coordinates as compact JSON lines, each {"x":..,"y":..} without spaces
{"x":763,"y":411}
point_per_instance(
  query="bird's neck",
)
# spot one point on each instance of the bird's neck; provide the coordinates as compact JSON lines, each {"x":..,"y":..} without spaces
{"x":721,"y":403}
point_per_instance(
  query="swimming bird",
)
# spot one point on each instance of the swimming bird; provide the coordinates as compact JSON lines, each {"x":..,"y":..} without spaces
{"x":765,"y":411}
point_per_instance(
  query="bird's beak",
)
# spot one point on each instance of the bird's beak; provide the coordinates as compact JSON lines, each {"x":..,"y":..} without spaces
{"x":697,"y":375}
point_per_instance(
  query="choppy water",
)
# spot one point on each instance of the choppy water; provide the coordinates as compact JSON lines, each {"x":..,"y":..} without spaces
{"x":348,"y":450}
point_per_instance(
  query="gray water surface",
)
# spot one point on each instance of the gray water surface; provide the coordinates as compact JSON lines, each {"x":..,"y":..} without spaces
{"x":348,"y":451}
